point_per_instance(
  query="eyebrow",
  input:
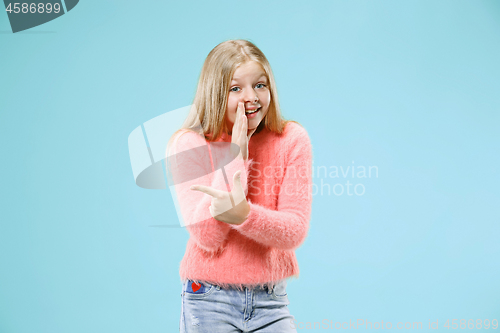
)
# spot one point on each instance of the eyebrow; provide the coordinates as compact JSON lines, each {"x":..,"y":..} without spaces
{"x":263,"y":75}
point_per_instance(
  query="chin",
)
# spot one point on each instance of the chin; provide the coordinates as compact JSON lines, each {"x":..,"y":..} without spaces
{"x":251,"y":127}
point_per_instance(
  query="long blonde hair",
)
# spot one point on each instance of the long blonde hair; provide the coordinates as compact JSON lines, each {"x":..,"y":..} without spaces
{"x":210,"y":101}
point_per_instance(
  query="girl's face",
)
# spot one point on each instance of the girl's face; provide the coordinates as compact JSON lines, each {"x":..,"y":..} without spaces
{"x":250,"y":86}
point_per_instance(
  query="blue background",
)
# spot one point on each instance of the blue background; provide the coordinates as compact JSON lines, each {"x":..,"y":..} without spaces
{"x":411,"y":87}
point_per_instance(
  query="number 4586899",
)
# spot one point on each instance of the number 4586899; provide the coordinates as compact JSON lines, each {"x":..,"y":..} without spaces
{"x":471,"y":324}
{"x":33,"y":8}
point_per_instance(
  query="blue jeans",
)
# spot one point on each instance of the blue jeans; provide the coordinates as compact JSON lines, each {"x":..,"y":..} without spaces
{"x":211,"y":309}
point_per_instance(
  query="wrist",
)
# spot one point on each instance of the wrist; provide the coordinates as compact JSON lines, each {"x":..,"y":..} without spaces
{"x":240,"y":157}
{"x":245,"y":212}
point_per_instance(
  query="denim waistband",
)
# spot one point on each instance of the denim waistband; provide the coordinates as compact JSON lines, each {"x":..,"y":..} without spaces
{"x":251,"y":287}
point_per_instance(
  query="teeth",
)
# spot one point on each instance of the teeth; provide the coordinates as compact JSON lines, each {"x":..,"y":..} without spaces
{"x":250,"y":112}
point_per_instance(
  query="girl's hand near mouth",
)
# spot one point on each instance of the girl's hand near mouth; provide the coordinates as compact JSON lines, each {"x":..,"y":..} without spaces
{"x":240,"y":134}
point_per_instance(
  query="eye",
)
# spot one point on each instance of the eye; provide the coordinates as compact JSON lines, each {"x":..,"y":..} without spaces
{"x":232,"y":89}
{"x":261,"y":84}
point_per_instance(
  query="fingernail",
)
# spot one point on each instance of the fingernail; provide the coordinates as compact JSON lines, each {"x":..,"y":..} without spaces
{"x":192,"y":187}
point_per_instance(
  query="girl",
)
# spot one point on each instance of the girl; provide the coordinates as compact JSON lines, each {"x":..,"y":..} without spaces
{"x":242,"y":237}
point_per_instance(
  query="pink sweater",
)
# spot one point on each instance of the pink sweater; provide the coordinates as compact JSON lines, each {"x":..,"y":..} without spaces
{"x":261,"y":250}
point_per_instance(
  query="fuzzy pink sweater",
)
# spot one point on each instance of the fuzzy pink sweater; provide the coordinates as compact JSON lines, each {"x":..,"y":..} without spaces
{"x":261,"y":250}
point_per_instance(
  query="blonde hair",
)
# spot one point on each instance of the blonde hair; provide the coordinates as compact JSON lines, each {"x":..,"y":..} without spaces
{"x":210,"y":101}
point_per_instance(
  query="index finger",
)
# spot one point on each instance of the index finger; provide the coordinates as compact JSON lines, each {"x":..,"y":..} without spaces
{"x":205,"y":189}
{"x":239,"y":112}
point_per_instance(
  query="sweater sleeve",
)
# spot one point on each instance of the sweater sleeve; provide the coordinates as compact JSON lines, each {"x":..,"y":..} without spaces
{"x":195,"y":166}
{"x":286,"y":227}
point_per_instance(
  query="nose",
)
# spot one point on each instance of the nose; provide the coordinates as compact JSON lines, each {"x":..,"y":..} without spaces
{"x":251,"y":96}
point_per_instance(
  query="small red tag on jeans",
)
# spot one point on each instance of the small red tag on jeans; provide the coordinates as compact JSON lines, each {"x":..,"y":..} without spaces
{"x":195,"y":286}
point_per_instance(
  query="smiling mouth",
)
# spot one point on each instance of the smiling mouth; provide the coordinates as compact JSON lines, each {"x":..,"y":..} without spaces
{"x":252,"y":111}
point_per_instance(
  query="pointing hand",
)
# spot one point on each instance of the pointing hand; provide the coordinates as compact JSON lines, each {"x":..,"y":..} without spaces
{"x":229,"y":207}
